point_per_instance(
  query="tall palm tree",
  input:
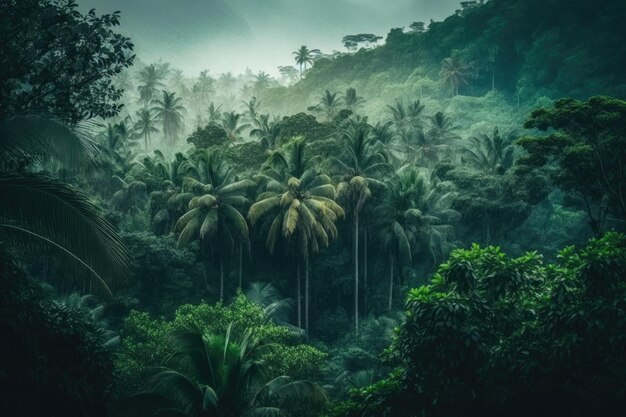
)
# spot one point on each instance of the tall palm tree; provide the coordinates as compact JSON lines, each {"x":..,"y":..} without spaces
{"x":224,"y":376}
{"x":169,"y":111}
{"x":145,"y":126}
{"x":304,"y":56}
{"x":150,"y":81}
{"x":298,"y":207}
{"x":489,"y":153}
{"x":230,"y":123}
{"x":215,"y":212}
{"x":329,"y":105}
{"x":41,"y":214}
{"x":454,"y":73}
{"x":359,"y":169}
{"x":352,"y":101}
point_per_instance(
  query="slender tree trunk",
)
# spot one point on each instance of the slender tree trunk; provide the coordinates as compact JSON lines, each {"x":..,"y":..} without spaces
{"x":240,"y":264}
{"x":493,"y":80}
{"x":306,"y":296}
{"x":145,"y":142}
{"x":221,"y":278}
{"x":298,"y":297}
{"x":356,"y":272}
{"x":366,"y":290}
{"x":390,"y":281}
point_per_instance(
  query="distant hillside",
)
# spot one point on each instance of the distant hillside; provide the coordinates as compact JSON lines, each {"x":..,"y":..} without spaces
{"x":531,"y":48}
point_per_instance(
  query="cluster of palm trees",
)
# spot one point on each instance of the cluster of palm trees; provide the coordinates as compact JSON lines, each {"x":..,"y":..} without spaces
{"x":380,"y":179}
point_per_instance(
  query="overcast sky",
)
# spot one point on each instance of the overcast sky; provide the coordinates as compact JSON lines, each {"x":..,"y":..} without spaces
{"x":231,"y":35}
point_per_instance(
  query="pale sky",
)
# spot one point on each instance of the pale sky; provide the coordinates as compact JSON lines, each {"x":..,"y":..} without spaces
{"x":231,"y":35}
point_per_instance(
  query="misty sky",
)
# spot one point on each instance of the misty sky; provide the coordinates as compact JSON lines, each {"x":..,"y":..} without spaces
{"x":231,"y":35}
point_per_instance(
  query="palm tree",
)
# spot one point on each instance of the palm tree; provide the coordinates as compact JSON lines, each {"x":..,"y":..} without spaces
{"x":262,"y":81}
{"x":226,"y":81}
{"x":267,"y":131}
{"x":490,"y":154}
{"x":230,"y":123}
{"x":214,"y":113}
{"x":169,"y":111}
{"x":454,"y":73}
{"x":352,"y":101}
{"x":405,"y":117}
{"x":298,"y":206}
{"x":130,"y":195}
{"x":150,"y":79}
{"x":222,"y":375}
{"x":215,"y":212}
{"x":442,"y":129}
{"x":304,"y":56}
{"x":145,"y":126}
{"x":359,"y":170}
{"x":419,"y":147}
{"x":267,"y":296}
{"x":252,"y":109}
{"x":329,"y":105}
{"x":40,"y":214}
{"x":382,"y":132}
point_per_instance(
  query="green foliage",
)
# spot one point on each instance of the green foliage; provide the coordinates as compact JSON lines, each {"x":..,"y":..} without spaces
{"x":52,"y":358}
{"x":69,"y":64}
{"x":145,"y":344}
{"x":210,"y":135}
{"x":585,"y":155}
{"x":493,"y":334}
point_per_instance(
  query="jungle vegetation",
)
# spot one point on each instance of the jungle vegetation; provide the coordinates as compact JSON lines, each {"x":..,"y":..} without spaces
{"x":433,"y":226}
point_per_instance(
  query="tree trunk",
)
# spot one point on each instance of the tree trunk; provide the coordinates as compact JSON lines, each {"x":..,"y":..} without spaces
{"x":366,"y":293}
{"x":356,"y":272}
{"x":298,"y":293}
{"x":221,"y":278}
{"x":145,"y":142}
{"x":306,"y":296}
{"x":390,"y":281}
{"x":240,"y":264}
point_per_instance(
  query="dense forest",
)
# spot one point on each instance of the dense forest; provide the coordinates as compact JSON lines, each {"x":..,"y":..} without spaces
{"x":429,"y":224}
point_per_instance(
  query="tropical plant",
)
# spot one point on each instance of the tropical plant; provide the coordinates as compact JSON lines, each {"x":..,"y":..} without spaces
{"x":214,"y":113}
{"x":231,"y":124}
{"x":169,"y":111}
{"x":329,"y":105}
{"x":267,"y":131}
{"x":304,"y":56}
{"x":215,"y":212}
{"x":442,"y":129}
{"x":298,"y":206}
{"x":145,"y":126}
{"x":150,"y":81}
{"x":352,"y":101}
{"x":489,"y":153}
{"x":359,"y":171}
{"x":222,"y":375}
{"x":267,"y":296}
{"x":454,"y":73}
